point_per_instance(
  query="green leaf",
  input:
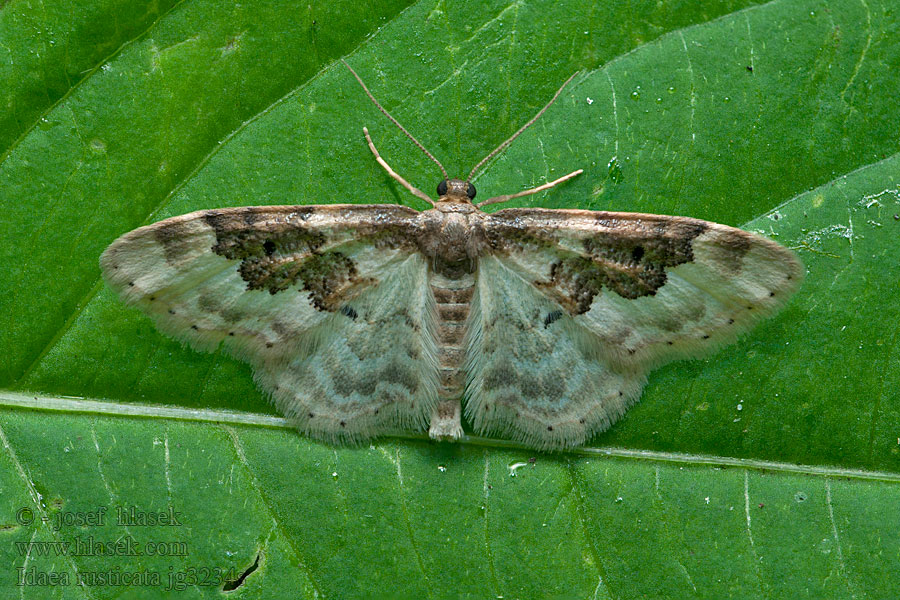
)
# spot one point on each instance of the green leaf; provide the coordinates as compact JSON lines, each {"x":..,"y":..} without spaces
{"x":769,"y":469}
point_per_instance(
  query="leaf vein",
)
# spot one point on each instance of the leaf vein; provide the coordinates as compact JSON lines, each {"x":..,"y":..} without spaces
{"x":582,"y":519}
{"x":254,"y":483}
{"x":78,"y":83}
{"x":35,"y":497}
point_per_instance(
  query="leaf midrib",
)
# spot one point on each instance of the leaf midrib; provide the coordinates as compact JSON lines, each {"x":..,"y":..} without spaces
{"x":62,"y":404}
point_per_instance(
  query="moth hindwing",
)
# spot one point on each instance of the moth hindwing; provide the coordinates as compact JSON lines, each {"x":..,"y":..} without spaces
{"x":360,"y":320}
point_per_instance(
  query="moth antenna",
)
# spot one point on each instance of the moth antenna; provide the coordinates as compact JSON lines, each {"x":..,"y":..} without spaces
{"x":397,"y":123}
{"x":535,"y":190}
{"x":413,"y":189}
{"x":502,"y":146}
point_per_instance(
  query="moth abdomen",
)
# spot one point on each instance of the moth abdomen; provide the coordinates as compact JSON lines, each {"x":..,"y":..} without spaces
{"x":452,"y":295}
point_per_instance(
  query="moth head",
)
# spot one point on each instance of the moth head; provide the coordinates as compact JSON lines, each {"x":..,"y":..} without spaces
{"x":455,"y":190}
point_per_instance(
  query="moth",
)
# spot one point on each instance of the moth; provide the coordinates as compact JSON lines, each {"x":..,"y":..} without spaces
{"x":360,"y":320}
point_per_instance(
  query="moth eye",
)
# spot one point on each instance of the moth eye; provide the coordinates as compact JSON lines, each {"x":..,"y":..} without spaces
{"x":638,"y":253}
{"x":470,"y":191}
{"x":442,"y":188}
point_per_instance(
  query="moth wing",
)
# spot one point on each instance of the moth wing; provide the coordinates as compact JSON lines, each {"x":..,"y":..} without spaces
{"x":618,"y":293}
{"x":293,"y":290}
{"x":532,"y":373}
{"x":367,"y":369}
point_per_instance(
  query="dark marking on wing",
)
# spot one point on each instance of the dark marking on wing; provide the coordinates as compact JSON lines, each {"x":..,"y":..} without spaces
{"x":627,"y":256}
{"x":208,"y":303}
{"x":232,"y":315}
{"x":552,"y":317}
{"x":351,"y":382}
{"x":281,"y":329}
{"x":388,"y":235}
{"x":176,"y":240}
{"x":501,"y":375}
{"x":348,"y":311}
{"x":279,"y":250}
{"x":324,"y":276}
{"x":510,"y":238}
{"x":729,"y":250}
{"x":365,"y":384}
{"x":237,"y":239}
{"x":400,"y":375}
{"x":536,"y":386}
